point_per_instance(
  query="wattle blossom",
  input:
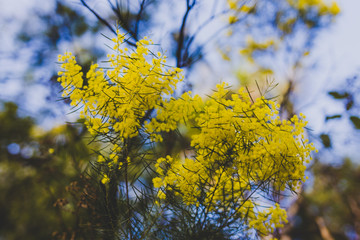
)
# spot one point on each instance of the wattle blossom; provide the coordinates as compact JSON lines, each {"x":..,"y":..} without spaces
{"x":239,"y":148}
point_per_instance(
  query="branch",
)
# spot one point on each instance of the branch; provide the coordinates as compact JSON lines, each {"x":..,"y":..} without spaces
{"x":104,"y":21}
{"x":324,"y":231}
{"x":124,"y":24}
{"x":138,"y":17}
{"x":201,"y":27}
{"x":179,"y":60}
{"x":98,"y":16}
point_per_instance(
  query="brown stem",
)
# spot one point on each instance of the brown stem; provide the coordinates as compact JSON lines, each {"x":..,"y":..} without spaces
{"x":324,"y":231}
{"x":127,"y":194}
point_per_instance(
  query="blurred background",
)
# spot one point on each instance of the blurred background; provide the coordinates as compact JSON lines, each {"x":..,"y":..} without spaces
{"x":302,"y":54}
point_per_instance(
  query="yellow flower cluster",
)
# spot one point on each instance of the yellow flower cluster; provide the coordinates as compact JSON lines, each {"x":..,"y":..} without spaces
{"x":238,"y":7}
{"x":266,"y":221}
{"x":172,"y":112}
{"x":117,"y":100}
{"x":252,"y":46}
{"x":288,"y":14}
{"x":322,"y":7}
{"x":241,"y":147}
{"x":105,"y":179}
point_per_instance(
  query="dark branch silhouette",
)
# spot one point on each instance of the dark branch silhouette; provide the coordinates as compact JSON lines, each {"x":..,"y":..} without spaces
{"x":102,"y":20}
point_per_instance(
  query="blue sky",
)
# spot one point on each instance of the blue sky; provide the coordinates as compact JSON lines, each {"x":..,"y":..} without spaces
{"x":336,"y":53}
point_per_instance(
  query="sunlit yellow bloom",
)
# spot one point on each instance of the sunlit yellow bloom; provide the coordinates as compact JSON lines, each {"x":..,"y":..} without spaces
{"x":232,"y":19}
{"x":240,"y":146}
{"x":105,"y":179}
{"x":334,"y":8}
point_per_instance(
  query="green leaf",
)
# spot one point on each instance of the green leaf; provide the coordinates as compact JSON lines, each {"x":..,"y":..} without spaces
{"x":349,"y":104}
{"x":338,"y":95}
{"x":332,"y":117}
{"x":356,"y":121}
{"x":325,"y":140}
